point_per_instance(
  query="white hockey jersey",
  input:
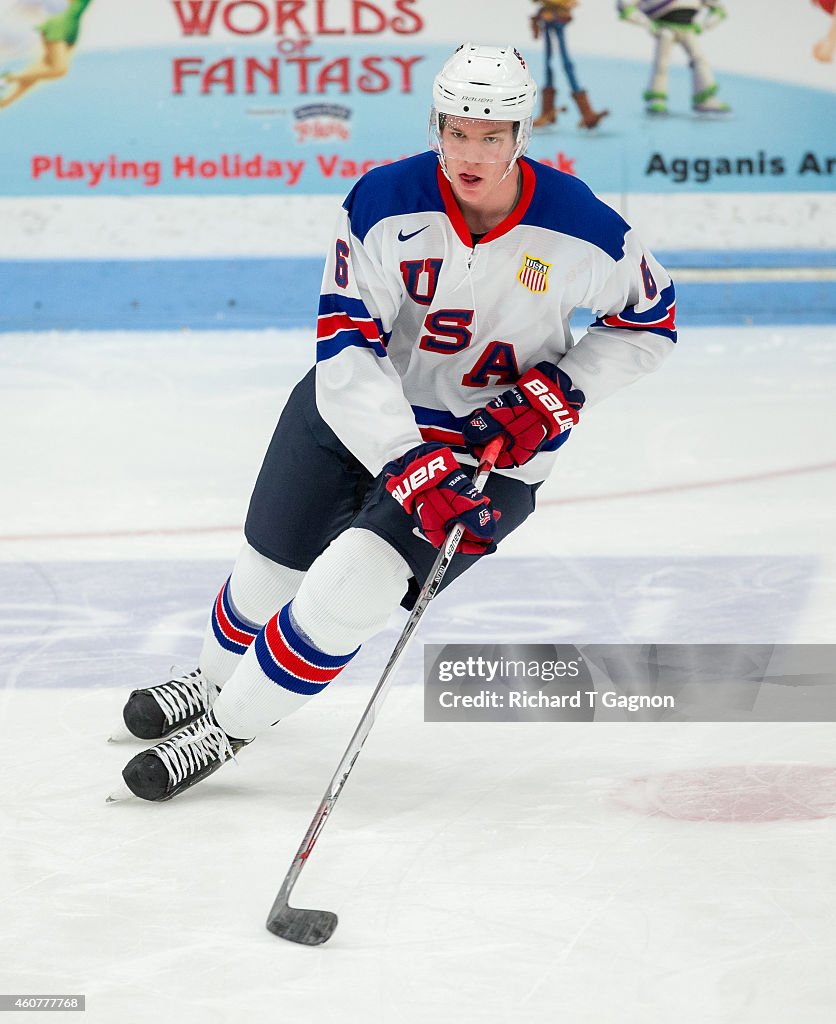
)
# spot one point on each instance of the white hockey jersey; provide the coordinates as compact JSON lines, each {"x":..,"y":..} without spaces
{"x":418,"y":327}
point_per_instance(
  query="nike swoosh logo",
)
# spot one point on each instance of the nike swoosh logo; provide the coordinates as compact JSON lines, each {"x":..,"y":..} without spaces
{"x":405,"y":238}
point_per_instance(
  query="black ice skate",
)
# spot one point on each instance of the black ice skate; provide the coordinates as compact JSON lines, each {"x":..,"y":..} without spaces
{"x":153,"y":713}
{"x":191,"y":754}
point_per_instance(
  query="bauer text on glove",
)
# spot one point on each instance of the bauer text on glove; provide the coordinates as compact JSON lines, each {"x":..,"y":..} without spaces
{"x":541,"y":405}
{"x":431,"y":485}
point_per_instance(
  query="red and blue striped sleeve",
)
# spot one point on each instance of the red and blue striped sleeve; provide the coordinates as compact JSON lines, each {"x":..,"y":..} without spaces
{"x":660,"y":318}
{"x":344,"y":322}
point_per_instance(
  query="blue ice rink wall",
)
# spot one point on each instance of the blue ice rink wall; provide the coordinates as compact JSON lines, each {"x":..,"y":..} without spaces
{"x":283,"y":292}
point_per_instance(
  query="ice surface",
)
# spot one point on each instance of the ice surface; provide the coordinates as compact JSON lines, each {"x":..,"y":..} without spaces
{"x":632,"y":873}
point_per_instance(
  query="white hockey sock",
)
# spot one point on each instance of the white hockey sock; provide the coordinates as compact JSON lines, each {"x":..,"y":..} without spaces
{"x":254,"y":592}
{"x":347,"y":595}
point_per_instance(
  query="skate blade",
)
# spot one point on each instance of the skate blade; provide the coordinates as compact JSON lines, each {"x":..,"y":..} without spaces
{"x":121,"y":734}
{"x":120,"y":794}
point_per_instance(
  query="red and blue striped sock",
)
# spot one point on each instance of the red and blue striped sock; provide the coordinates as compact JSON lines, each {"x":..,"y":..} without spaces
{"x":280,"y":672}
{"x":289,"y":658}
{"x":232,"y":631}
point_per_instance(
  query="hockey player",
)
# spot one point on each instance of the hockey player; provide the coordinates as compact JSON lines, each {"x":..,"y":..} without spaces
{"x":443,"y":323}
{"x":678,"y":21}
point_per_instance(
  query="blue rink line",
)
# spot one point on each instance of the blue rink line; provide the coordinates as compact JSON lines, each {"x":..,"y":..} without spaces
{"x":98,"y":624}
{"x":717,"y":259}
{"x":90,"y":295}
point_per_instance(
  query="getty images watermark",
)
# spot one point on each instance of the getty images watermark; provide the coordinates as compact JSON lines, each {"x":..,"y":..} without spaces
{"x":630,"y":682}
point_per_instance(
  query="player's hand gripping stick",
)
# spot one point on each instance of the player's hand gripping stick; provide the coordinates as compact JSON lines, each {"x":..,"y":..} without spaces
{"x":429,"y":483}
{"x":541,"y":405}
{"x":312,"y":927}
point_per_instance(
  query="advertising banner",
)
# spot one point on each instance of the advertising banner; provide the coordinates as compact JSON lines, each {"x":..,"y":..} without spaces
{"x":187,"y":142}
{"x":289,"y":97}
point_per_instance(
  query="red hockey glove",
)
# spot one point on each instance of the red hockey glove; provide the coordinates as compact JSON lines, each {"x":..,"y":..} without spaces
{"x":541,"y":405}
{"x":431,"y":485}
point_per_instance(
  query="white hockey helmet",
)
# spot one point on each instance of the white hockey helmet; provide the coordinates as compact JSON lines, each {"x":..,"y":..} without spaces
{"x":485,"y":83}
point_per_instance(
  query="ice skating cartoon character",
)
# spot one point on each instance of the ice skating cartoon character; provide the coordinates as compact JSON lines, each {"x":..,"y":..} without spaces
{"x":826,"y":46}
{"x":59,"y":35}
{"x":550,"y":23}
{"x":678,"y":22}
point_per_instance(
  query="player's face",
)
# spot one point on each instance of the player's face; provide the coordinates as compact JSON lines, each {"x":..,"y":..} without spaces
{"x":477,"y":154}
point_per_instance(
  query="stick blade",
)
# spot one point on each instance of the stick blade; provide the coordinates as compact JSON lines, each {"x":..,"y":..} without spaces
{"x":307,"y":927}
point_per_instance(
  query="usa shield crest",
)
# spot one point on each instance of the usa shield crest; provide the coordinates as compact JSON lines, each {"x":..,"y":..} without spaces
{"x":534,"y":274}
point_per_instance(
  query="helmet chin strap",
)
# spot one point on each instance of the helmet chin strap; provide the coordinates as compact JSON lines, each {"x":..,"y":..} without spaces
{"x":509,"y":168}
{"x":522,"y":141}
{"x":443,"y":163}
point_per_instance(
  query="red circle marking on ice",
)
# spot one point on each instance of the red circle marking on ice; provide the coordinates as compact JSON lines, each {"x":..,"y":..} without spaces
{"x":750,"y":793}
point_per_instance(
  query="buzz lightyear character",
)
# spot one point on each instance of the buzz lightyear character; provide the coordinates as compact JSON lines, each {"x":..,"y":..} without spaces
{"x":678,"y":21}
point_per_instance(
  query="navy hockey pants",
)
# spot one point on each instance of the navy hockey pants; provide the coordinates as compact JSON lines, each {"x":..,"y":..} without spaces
{"x":311,"y":488}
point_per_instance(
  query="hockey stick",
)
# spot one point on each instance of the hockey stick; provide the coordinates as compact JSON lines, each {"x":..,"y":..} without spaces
{"x":312,"y":927}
